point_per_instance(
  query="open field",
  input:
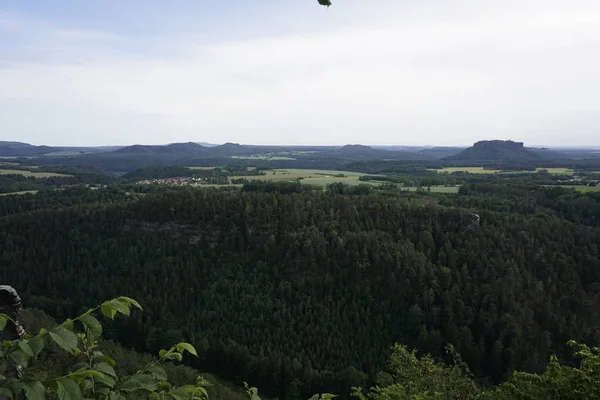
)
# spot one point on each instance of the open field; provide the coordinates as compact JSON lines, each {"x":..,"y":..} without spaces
{"x":65,"y":153}
{"x":19,"y":193}
{"x":471,"y":170}
{"x":558,"y":171}
{"x":481,"y":170}
{"x":583,"y":189}
{"x":31,"y":173}
{"x":267,"y":158}
{"x":202,"y":168}
{"x":436,"y":189}
{"x":308,"y":176}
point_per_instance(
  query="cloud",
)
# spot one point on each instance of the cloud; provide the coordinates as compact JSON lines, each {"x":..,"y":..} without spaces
{"x":448,"y":75}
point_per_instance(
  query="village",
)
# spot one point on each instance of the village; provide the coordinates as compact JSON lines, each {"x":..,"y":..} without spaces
{"x":185,"y":181}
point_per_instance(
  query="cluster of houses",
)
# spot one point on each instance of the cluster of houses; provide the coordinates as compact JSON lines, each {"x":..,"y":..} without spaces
{"x":174,"y":182}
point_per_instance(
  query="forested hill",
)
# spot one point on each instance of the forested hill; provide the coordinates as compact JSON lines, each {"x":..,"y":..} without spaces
{"x":504,"y":151}
{"x":313,"y":288}
{"x":19,"y":149}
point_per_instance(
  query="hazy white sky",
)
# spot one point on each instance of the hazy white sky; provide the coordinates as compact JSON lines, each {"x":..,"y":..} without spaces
{"x":438,"y":72}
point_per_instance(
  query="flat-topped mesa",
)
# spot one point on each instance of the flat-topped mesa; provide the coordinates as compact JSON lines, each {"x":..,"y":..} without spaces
{"x":504,"y":151}
{"x":507,"y":144}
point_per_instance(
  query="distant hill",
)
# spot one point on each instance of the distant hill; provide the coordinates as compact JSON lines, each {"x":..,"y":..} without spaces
{"x":16,"y":149}
{"x":441,"y":151}
{"x":567,"y":153}
{"x":140,"y":156}
{"x":176,"y":150}
{"x":205,"y":144}
{"x":230,"y":149}
{"x":504,"y":151}
{"x":358,"y":152}
{"x":20,"y":149}
{"x":14,"y":145}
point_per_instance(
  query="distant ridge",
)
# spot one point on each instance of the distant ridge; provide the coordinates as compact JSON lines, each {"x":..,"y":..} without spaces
{"x":174,"y":149}
{"x":15,"y":145}
{"x":505,"y":151}
{"x":359,"y":151}
{"x":20,"y":149}
{"x":205,"y":144}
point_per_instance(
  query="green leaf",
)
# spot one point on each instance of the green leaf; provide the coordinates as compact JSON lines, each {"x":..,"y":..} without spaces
{"x":19,"y":357}
{"x":25,"y":347}
{"x":174,"y":357}
{"x":186,"y":346}
{"x":86,"y":373}
{"x":108,"y":310}
{"x":97,"y":354}
{"x":106,"y":380}
{"x":2,"y":322}
{"x":6,"y":392}
{"x":138,"y":382}
{"x":203,"y":392}
{"x":106,"y":368}
{"x":106,"y":359}
{"x":68,"y":324}
{"x":86,"y":385}
{"x":158,"y":373}
{"x":130,"y":301}
{"x":117,"y":306}
{"x":253,"y":392}
{"x":36,"y":344}
{"x":68,"y":390}
{"x":115,"y":396}
{"x":189,"y":388}
{"x":179,"y":394}
{"x":92,"y":325}
{"x":195,"y":390}
{"x":64,"y":338}
{"x":163,"y":353}
{"x":2,"y":378}
{"x":100,"y":356}
{"x":327,"y":396}
{"x":34,"y":390}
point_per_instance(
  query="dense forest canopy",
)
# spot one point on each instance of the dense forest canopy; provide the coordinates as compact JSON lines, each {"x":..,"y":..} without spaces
{"x":311,"y":288}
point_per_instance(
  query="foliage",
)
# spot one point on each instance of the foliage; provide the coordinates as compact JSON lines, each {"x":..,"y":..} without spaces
{"x":558,"y":382}
{"x":421,"y":378}
{"x":93,"y":374}
{"x":411,"y":377}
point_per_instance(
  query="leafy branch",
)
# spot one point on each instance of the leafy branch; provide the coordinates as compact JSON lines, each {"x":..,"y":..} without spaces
{"x":96,"y":376}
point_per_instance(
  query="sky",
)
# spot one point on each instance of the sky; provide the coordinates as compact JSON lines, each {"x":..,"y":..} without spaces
{"x":386,"y":72}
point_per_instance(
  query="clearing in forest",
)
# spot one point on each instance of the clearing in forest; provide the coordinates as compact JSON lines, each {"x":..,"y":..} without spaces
{"x":581,"y":188}
{"x":308,"y":176}
{"x":481,"y":170}
{"x":19,"y":193}
{"x":32,"y":173}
